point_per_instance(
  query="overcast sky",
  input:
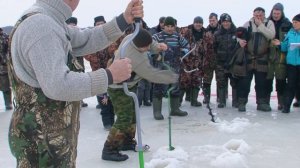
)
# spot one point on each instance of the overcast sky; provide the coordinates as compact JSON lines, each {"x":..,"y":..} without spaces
{"x":183,"y":11}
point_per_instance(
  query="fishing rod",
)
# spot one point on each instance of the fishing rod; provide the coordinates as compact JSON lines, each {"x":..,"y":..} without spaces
{"x":133,"y":95}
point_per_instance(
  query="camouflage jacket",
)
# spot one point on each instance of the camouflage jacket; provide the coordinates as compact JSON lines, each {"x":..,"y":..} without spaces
{"x":100,"y":59}
{"x":198,"y":59}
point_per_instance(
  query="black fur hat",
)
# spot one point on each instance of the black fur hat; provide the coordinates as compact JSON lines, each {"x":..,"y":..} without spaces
{"x":142,"y":39}
{"x":99,"y":19}
{"x":297,"y":18}
{"x":72,"y":20}
{"x":242,"y":33}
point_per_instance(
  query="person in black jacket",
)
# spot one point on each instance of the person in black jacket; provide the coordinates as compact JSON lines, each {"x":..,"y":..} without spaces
{"x":224,"y":45}
{"x":277,"y":63}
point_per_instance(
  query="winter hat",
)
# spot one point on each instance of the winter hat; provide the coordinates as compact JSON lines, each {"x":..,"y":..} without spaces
{"x":169,"y":21}
{"x":99,"y":19}
{"x":142,"y":39}
{"x":242,"y":33}
{"x":72,"y":20}
{"x":297,"y":18}
{"x":198,"y":19}
{"x":225,"y":17}
{"x":162,"y":19}
{"x":278,"y":6}
{"x":213,"y":15}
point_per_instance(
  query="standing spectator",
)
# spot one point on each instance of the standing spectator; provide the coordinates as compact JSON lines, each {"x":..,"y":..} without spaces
{"x":48,"y":87}
{"x":97,"y":61}
{"x":261,"y":30}
{"x":4,"y":80}
{"x":224,"y":45}
{"x":209,"y":62}
{"x":159,"y":27}
{"x":277,"y":62}
{"x":170,"y":58}
{"x":292,"y":60}
{"x":72,"y":21}
{"x":203,"y":40}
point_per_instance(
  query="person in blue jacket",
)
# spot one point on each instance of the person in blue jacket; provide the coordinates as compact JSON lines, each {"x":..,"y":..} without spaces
{"x":291,"y":45}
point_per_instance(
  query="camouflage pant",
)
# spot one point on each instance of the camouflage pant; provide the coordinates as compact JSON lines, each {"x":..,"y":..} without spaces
{"x":208,"y":74}
{"x":44,"y":137}
{"x":124,"y":127}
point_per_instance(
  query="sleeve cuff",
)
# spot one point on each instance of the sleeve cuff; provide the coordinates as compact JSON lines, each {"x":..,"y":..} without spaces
{"x":109,"y":77}
{"x":99,"y":81}
{"x":122,"y":22}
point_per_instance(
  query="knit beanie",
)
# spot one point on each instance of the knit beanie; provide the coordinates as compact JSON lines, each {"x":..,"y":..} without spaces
{"x":297,"y":18}
{"x":278,"y":6}
{"x":142,"y":39}
{"x":72,"y":20}
{"x":169,"y":21}
{"x":99,"y":19}
{"x":213,"y":15}
{"x":198,"y":19}
{"x":162,"y":19}
{"x":225,"y":17}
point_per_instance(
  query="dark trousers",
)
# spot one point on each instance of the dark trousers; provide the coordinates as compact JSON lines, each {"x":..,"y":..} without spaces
{"x":143,"y":91}
{"x":293,"y":83}
{"x":280,"y":86}
{"x":107,"y":112}
{"x":244,"y":85}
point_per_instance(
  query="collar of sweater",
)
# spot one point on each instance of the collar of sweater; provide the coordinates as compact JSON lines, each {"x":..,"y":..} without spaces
{"x":57,"y":9}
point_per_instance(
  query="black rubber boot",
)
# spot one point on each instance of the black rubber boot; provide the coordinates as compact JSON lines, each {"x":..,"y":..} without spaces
{"x":222,"y":98}
{"x":7,"y":100}
{"x":175,"y":111}
{"x":234,"y":99}
{"x":280,"y":99}
{"x":187,"y":95}
{"x":263,"y":105}
{"x":206,"y":92}
{"x":108,"y":153}
{"x":194,"y":96}
{"x":157,"y":103}
{"x":242,"y":104}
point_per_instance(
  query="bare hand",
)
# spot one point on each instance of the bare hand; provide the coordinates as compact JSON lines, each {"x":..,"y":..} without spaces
{"x":243,"y":43}
{"x":257,"y":21}
{"x":104,"y":101}
{"x":162,"y":47}
{"x":120,"y":69}
{"x":275,"y":42}
{"x":134,"y":10}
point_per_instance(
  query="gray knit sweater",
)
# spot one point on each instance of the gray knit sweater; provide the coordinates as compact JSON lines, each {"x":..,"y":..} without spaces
{"x":40,"y":48}
{"x":142,"y":67}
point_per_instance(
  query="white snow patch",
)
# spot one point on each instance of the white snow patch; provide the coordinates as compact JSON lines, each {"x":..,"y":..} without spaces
{"x":164,"y":158}
{"x":236,"y":126}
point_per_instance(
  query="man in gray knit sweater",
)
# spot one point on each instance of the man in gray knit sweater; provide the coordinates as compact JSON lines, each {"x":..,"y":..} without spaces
{"x":45,"y":124}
